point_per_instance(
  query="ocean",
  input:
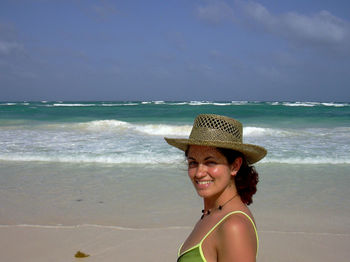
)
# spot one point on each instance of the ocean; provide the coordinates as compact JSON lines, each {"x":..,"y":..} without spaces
{"x":107,"y":164}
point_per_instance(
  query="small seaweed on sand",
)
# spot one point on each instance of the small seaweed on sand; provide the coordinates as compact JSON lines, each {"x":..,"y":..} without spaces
{"x":81,"y":254}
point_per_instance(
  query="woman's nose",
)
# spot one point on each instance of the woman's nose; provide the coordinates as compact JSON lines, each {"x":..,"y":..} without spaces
{"x":201,"y":171}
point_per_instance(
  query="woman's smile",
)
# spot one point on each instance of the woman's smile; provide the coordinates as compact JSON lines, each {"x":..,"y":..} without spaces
{"x":203,"y":184}
{"x":208,"y":169}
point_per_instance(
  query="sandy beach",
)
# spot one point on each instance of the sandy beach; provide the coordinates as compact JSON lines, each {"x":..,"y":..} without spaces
{"x":293,"y":224}
{"x":42,"y":244}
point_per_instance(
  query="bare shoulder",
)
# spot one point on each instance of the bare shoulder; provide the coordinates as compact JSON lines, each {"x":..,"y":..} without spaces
{"x":237,"y":239}
{"x":237,"y":224}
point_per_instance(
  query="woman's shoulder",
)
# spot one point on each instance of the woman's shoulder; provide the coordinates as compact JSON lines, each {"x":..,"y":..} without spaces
{"x":237,"y":233}
{"x":236,"y":223}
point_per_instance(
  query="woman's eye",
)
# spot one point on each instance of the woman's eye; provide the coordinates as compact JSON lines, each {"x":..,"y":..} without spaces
{"x":192,"y":164}
{"x":211,"y":163}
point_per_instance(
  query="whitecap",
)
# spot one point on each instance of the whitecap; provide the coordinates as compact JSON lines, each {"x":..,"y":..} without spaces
{"x":251,"y":131}
{"x":159,"y":102}
{"x":239,"y":102}
{"x":164,"y":130}
{"x":8,"y":104}
{"x":334,"y":104}
{"x":74,"y":104}
{"x":306,"y":104}
{"x":178,"y":103}
{"x":273,"y":103}
{"x":199,"y":103}
{"x":149,"y":129}
{"x":104,"y":125}
{"x":121,"y":104}
{"x":222,"y":104}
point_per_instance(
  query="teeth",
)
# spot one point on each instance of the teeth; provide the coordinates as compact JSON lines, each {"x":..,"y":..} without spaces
{"x":203,"y":182}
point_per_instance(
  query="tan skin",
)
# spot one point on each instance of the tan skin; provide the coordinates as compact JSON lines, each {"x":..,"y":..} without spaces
{"x":234,"y":239}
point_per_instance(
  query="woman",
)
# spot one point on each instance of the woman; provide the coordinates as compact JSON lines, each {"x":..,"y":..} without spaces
{"x":219,"y":168}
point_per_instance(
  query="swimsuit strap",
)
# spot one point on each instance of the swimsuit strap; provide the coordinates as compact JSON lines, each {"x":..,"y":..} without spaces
{"x":227,"y":215}
{"x":199,"y":245}
{"x":179,"y":250}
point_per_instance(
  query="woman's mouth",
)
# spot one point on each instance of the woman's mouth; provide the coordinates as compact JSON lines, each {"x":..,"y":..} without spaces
{"x":203,"y":184}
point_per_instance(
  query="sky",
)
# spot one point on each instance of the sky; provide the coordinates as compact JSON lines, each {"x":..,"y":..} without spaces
{"x":175,"y":50}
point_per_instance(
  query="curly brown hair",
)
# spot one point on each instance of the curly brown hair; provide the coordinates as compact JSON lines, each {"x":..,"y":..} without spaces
{"x":246,"y":178}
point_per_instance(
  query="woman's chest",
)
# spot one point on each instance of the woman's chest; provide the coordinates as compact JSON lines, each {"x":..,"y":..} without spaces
{"x":201,"y":237}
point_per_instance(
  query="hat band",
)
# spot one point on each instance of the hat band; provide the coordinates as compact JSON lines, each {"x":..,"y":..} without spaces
{"x":208,"y":134}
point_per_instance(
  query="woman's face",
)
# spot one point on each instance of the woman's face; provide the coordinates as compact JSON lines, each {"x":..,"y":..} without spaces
{"x":209,"y":171}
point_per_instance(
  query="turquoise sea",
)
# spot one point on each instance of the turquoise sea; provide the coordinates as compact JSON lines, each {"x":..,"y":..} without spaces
{"x":106,"y":163}
{"x":132,"y":132}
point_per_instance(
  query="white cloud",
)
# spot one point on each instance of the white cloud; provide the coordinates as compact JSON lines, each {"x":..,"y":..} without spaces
{"x":214,"y":12}
{"x":319,"y":28}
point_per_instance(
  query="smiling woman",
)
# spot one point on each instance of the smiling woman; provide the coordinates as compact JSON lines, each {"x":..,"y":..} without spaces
{"x":219,"y":168}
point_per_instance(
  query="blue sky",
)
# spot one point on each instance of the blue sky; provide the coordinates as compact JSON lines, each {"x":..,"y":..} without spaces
{"x":175,"y":50}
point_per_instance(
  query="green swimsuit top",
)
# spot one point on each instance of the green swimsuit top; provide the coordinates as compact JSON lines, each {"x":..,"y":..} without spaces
{"x":195,"y":253}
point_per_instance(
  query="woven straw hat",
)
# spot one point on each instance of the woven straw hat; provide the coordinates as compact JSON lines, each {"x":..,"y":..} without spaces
{"x":219,"y":131}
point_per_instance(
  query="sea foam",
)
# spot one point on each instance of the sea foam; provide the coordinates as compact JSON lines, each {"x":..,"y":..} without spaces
{"x":149,"y":129}
{"x":173,"y":130}
{"x":335,"y":104}
{"x":306,"y":104}
{"x":103,"y":125}
{"x":163,"y":130}
{"x":260,"y":131}
{"x":306,"y":160}
{"x":141,"y":158}
{"x":73,"y":104}
{"x":158,"y":158}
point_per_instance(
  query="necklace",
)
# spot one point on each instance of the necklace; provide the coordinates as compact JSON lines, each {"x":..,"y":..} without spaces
{"x":207,"y":212}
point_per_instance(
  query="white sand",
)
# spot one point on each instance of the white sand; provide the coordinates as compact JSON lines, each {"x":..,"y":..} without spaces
{"x":290,"y":198}
{"x":103,"y":244}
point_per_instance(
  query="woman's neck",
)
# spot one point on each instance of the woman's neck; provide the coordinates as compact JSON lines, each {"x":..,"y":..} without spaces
{"x":220,"y":200}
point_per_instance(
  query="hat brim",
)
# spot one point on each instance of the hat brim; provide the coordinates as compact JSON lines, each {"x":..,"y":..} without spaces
{"x":252,"y":153}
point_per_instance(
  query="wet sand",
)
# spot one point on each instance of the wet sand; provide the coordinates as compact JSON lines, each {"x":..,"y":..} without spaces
{"x":104,"y":244}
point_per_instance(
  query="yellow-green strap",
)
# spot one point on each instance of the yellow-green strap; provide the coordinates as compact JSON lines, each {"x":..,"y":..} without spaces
{"x":229,"y":214}
{"x":213,"y":228}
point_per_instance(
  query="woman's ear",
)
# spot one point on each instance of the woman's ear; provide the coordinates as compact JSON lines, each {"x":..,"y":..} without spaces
{"x":236,"y":165}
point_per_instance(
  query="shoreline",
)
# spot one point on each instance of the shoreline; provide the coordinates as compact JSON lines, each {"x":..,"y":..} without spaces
{"x":121,"y":228}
